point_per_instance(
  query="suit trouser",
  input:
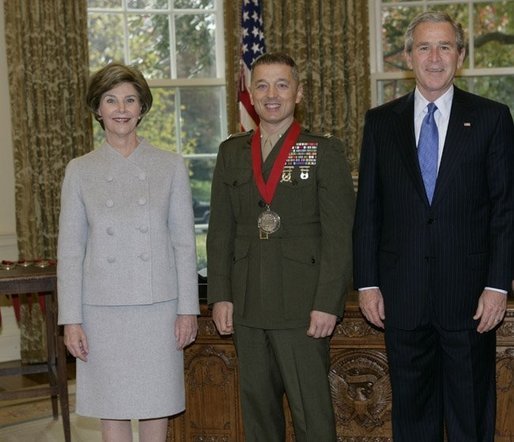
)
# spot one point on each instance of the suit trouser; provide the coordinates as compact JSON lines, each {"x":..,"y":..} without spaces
{"x":442,"y":378}
{"x":274,"y":362}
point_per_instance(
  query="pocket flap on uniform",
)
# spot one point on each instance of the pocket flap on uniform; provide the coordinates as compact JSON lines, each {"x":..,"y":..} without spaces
{"x":241,"y":248}
{"x":237,"y":177}
{"x":302,"y":251}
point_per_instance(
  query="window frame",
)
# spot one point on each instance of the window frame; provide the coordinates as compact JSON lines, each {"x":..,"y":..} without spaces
{"x":377,"y":74}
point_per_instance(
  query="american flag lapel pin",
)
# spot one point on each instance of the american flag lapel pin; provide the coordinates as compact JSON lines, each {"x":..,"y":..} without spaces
{"x":467,"y":124}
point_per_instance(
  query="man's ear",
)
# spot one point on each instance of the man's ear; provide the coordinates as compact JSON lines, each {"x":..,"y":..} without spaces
{"x":299,"y":94}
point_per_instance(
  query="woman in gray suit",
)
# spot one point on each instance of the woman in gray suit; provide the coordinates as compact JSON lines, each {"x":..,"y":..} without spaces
{"x":127,"y":278}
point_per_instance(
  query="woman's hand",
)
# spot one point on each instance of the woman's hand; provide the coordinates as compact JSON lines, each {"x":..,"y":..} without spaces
{"x":76,"y":341}
{"x":186,"y":327}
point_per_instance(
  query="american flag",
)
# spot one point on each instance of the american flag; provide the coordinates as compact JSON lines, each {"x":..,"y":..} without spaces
{"x":252,"y":45}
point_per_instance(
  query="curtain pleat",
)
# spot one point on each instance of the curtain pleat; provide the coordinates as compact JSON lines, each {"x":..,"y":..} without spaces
{"x":47,"y":57}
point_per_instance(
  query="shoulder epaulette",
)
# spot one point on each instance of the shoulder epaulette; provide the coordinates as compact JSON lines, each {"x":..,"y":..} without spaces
{"x":325,"y":135}
{"x":239,"y":134}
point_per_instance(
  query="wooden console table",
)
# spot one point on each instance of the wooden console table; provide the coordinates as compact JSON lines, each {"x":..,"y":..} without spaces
{"x":359,"y":379}
{"x":33,"y":279}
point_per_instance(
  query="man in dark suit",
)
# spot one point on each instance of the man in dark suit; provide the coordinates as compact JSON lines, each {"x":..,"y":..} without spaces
{"x":279,"y":258}
{"x":433,"y":240}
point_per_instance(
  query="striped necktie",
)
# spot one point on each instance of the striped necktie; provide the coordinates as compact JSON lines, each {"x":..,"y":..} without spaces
{"x":428,"y":150}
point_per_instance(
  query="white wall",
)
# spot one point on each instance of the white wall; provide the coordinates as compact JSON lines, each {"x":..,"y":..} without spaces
{"x":9,"y":332}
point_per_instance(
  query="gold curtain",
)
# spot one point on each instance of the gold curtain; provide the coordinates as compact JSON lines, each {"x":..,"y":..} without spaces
{"x":329,"y":41}
{"x":47,"y":57}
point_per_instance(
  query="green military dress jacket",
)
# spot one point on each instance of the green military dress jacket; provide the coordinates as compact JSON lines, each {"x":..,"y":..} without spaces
{"x":306,"y":265}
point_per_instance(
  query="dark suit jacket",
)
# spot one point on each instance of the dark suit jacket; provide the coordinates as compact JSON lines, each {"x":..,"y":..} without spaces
{"x":432,"y":262}
{"x":306,"y":265}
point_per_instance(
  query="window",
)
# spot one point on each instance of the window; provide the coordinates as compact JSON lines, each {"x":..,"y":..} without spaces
{"x":489,"y":28}
{"x":178,"y":45}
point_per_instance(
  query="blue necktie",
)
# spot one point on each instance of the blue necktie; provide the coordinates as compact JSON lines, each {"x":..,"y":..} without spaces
{"x":428,"y":149}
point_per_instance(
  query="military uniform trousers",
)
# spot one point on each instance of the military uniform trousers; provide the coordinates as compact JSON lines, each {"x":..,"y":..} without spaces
{"x":274,"y":362}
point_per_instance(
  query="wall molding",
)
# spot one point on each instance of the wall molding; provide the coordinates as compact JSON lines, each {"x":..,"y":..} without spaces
{"x":8,"y":246}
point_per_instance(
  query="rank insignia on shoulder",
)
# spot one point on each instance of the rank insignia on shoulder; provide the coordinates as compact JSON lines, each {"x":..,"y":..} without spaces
{"x":239,"y":134}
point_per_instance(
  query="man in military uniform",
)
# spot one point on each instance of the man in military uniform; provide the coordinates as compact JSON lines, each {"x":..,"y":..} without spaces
{"x":279,"y":257}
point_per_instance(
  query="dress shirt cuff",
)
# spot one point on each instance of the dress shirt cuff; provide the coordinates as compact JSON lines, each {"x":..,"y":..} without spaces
{"x":496,"y":290}
{"x":360,"y":289}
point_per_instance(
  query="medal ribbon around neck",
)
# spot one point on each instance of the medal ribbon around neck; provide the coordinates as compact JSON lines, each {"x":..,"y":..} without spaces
{"x":268,"y":189}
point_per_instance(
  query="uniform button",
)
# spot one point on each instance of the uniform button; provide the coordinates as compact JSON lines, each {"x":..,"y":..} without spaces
{"x":142,"y":176}
{"x":144,"y":256}
{"x":109,"y":178}
{"x":141,"y":201}
{"x":111,"y":259}
{"x":110,"y":231}
{"x":143,"y":229}
{"x":109,"y":203}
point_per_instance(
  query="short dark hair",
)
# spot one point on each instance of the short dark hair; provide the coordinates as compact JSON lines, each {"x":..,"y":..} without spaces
{"x":111,"y":76}
{"x":276,"y":58}
{"x":434,"y":17}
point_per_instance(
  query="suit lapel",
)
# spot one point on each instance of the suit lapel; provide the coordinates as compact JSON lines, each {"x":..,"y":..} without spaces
{"x":456,"y":142}
{"x":407,"y":142}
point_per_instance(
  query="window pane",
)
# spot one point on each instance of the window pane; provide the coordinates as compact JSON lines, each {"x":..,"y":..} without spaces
{"x":201,"y":178}
{"x":147,"y":4}
{"x":149,"y":44}
{"x":105,"y":33}
{"x":391,"y":89}
{"x":201,"y":119}
{"x":499,"y":88}
{"x":494,"y":24}
{"x":196,"y":56}
{"x":104,"y":4}
{"x":194,"y":4}
{"x":159,"y":126}
{"x":394,"y":24}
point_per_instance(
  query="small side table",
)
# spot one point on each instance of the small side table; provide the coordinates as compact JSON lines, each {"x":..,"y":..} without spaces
{"x":36,"y":278}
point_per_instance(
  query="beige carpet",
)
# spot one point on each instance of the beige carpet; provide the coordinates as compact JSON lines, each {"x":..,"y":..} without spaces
{"x":30,"y":420}
{"x":26,"y":410}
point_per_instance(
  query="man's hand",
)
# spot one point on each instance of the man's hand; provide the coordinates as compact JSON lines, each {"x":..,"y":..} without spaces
{"x":371,"y":303}
{"x":322,"y":324}
{"x":490,"y":310}
{"x":75,"y":341}
{"x":222,"y":313}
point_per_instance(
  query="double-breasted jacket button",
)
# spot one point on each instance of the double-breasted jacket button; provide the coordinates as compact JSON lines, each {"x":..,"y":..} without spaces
{"x":111,"y":259}
{"x":144,"y":256}
{"x":109,"y":203}
{"x":110,"y":231}
{"x":141,"y":201}
{"x":109,"y":178}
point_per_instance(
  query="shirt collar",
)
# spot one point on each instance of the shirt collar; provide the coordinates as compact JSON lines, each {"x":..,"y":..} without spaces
{"x":443,"y":103}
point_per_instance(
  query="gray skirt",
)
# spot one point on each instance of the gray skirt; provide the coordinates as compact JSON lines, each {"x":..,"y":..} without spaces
{"x":134,"y":370}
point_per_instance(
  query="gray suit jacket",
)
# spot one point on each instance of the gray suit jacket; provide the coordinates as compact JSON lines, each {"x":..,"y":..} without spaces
{"x":126,"y":232}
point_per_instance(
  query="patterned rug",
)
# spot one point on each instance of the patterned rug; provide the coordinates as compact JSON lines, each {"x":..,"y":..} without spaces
{"x":26,"y":410}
